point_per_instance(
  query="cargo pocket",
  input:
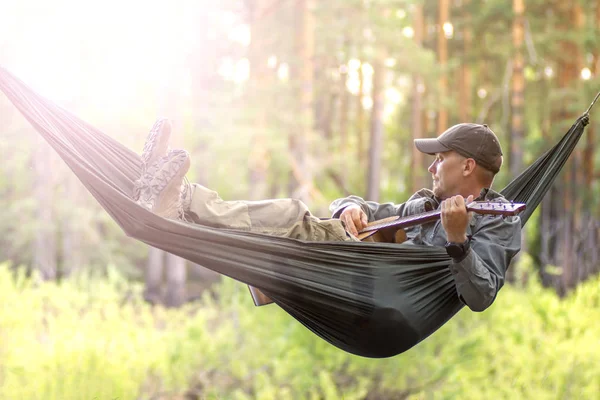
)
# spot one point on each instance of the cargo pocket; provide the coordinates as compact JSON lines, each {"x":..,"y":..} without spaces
{"x":330,"y":230}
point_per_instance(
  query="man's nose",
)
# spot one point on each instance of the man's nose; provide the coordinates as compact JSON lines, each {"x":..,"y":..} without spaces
{"x":432,"y":167}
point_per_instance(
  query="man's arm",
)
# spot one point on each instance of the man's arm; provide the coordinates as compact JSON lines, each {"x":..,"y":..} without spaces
{"x":481,"y":273}
{"x":373,"y":210}
{"x":356,"y":212}
{"x":419,"y":202}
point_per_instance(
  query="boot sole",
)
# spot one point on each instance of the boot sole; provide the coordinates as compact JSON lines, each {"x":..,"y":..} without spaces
{"x":168,"y":178}
{"x":157,"y":142}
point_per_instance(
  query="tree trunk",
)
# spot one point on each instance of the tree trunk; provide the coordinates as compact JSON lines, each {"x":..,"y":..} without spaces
{"x":329,"y":101}
{"x":44,"y":246}
{"x":569,"y":68}
{"x":465,"y":100}
{"x":578,"y":178}
{"x":72,"y":255}
{"x":154,"y":272}
{"x":590,"y":149}
{"x":343,"y":120}
{"x":376,"y":142}
{"x":442,"y":46}
{"x":517,"y":103}
{"x":300,"y":138}
{"x":176,"y":277}
{"x":258,"y":158}
{"x":591,"y":129}
{"x":360,"y":120}
{"x":518,"y":89}
{"x":418,"y":159}
{"x":546,"y":254}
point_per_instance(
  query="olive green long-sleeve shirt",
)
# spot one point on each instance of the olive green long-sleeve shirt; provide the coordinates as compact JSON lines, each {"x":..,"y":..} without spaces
{"x":494,"y":242}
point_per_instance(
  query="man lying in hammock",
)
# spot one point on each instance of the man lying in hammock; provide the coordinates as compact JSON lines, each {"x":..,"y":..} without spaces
{"x":467,"y":158}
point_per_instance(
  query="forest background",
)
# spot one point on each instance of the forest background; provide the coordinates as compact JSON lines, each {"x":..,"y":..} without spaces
{"x":309,"y":99}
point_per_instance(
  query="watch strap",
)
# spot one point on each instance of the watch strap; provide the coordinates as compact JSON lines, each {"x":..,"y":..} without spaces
{"x":458,"y":251}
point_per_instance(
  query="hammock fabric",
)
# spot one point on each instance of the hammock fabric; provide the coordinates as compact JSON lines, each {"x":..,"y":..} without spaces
{"x":369,"y":299}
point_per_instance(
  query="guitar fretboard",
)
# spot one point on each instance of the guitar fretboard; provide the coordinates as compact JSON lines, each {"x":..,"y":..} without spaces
{"x":490,"y":208}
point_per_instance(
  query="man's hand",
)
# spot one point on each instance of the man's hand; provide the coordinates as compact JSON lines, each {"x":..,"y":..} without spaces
{"x":354,"y":218}
{"x":455,"y":218}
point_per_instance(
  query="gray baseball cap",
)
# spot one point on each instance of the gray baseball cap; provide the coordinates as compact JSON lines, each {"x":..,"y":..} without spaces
{"x":469,"y":140}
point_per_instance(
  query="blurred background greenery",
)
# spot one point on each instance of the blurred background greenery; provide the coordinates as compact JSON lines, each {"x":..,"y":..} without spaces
{"x":310,"y":99}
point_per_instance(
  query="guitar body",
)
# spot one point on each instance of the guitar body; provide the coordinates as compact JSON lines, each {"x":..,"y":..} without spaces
{"x":384,"y":236}
{"x":391,"y":234}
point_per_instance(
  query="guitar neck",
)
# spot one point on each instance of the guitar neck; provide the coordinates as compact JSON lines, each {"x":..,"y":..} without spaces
{"x":485,"y":208}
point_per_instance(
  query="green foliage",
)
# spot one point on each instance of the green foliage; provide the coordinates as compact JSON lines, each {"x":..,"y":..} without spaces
{"x":233,"y":128}
{"x":87,"y":339}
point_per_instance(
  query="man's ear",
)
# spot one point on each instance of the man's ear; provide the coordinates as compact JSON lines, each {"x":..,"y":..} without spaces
{"x":469,"y":166}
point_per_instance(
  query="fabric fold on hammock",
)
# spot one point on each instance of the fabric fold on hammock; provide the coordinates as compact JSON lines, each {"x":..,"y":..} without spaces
{"x":369,"y":299}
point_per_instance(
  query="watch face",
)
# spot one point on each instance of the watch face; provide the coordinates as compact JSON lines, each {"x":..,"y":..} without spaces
{"x":455,"y":250}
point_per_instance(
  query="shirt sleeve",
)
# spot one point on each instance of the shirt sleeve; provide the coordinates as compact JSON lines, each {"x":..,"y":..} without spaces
{"x":481,"y":273}
{"x":374,"y":210}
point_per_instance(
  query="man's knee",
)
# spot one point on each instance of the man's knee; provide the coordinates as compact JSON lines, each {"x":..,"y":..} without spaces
{"x":314,"y":229}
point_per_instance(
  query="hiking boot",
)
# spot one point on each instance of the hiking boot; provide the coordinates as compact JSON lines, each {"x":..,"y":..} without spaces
{"x":162,"y":188}
{"x":157,"y":143}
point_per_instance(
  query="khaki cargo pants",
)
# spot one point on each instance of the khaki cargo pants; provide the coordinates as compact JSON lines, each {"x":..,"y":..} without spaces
{"x":278,"y":217}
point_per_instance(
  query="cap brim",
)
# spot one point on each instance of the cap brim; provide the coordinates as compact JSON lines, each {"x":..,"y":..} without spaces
{"x":430,"y":146}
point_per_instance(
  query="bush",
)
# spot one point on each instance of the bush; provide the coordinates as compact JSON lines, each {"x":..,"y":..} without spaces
{"x":92,"y":339}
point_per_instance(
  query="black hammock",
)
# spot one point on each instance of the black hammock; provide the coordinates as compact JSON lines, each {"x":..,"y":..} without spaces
{"x":372,"y":300}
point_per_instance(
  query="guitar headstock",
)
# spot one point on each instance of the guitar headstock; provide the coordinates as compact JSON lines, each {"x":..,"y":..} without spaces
{"x":496,"y":208}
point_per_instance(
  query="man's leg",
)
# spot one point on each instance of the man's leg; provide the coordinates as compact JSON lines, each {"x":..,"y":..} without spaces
{"x":162,"y":189}
{"x":277,"y":217}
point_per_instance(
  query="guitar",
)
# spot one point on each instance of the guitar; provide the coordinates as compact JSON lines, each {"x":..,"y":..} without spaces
{"x":391,"y":230}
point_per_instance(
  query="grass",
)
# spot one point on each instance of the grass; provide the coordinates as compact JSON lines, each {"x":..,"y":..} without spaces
{"x":95,"y":339}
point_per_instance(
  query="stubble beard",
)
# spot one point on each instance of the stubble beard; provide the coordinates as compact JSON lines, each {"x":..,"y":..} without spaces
{"x":437,"y":191}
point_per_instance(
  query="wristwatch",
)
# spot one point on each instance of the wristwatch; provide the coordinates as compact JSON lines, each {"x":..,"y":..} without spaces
{"x":458,"y":250}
